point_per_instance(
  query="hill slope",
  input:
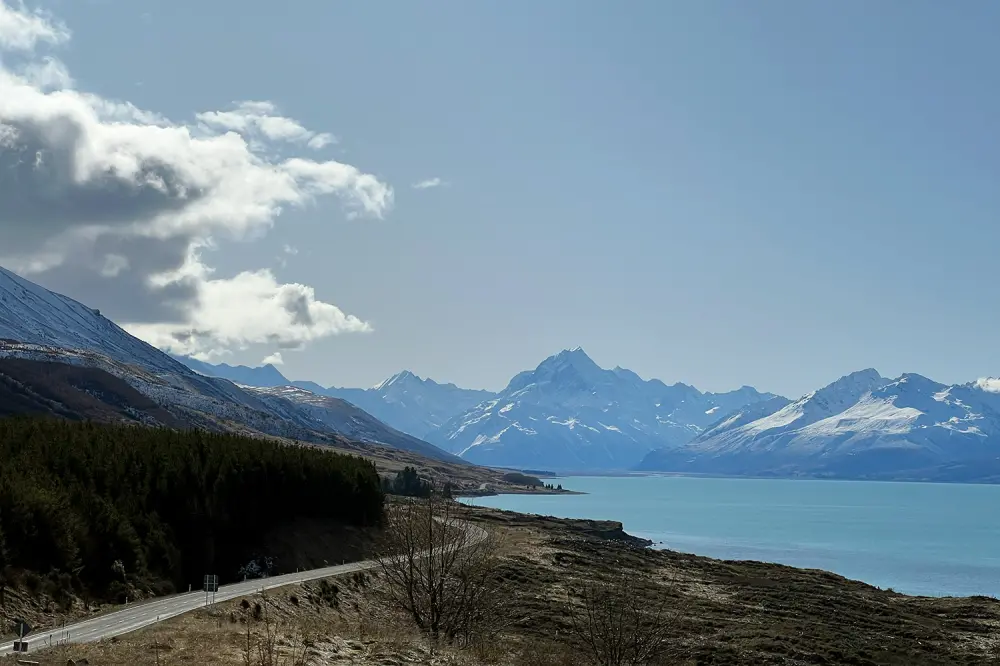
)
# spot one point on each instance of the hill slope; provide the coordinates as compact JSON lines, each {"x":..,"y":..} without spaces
{"x":42,"y":326}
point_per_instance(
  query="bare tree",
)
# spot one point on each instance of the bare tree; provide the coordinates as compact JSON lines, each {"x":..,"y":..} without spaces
{"x":262,"y":647}
{"x":443,"y":572}
{"x":618,"y":624}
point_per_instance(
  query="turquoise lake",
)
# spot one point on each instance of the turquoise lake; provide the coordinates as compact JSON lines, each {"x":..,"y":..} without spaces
{"x":917,"y":538}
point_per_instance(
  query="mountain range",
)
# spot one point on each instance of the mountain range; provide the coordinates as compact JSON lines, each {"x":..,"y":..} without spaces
{"x":566,"y":414}
{"x":405,"y":401}
{"x":571,"y":414}
{"x":62,"y":358}
{"x":861,"y":426}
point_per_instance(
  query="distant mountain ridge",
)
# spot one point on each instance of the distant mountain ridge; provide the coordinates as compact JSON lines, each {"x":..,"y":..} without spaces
{"x":571,"y":414}
{"x":266,"y":376}
{"x":550,"y":418}
{"x":405,"y":402}
{"x":861,"y":426}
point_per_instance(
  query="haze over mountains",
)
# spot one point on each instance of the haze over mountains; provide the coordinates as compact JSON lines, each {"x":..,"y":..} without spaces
{"x":566,"y":414}
{"x":569,"y":414}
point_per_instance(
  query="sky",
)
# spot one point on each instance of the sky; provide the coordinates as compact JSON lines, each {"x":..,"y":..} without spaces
{"x":719,"y":193}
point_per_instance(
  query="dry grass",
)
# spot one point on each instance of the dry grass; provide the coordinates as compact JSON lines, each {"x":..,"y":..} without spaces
{"x":742,"y":613}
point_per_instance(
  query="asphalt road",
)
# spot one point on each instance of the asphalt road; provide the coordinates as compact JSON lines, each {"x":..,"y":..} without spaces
{"x":146,"y":613}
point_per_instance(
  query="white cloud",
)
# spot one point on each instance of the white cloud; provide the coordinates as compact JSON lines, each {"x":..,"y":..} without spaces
{"x":273,"y":359}
{"x":21,"y":30}
{"x":288,"y":249}
{"x":101,"y":195}
{"x":428,"y":184}
{"x":249,"y":308}
{"x":262,"y":120}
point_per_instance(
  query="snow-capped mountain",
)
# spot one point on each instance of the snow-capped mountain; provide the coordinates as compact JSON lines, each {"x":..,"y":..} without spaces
{"x":571,"y":414}
{"x":862,"y":425}
{"x":412,"y":404}
{"x":405,"y":401}
{"x":344,"y":418}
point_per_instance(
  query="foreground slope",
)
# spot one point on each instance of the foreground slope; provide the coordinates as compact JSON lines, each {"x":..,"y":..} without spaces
{"x":571,"y":414}
{"x":721,"y":613}
{"x":169,"y":505}
{"x":863,"y":425}
{"x":37,"y":325}
{"x":42,"y":388}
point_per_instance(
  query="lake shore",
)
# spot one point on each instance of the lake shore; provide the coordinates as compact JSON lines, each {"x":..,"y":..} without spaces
{"x":745,"y":612}
{"x":922,"y":539}
{"x":721,"y":612}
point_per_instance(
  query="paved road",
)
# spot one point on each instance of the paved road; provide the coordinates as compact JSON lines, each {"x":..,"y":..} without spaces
{"x":144,"y":614}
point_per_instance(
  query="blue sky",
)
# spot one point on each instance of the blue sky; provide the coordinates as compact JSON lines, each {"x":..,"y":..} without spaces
{"x":720,"y":193}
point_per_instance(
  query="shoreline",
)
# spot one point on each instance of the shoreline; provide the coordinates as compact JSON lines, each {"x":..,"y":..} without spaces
{"x":858,"y":567}
{"x":624,"y":474}
{"x":509,"y":491}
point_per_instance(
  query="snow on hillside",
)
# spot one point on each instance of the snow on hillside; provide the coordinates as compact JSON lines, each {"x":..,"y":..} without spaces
{"x":404,"y":401}
{"x":860,"y":424}
{"x":569,"y":413}
{"x":344,"y":418}
{"x":32,"y":314}
{"x":38,"y":324}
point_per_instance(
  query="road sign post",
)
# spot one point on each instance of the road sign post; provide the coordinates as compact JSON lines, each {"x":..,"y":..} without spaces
{"x":211,"y":584}
{"x":22,"y":629}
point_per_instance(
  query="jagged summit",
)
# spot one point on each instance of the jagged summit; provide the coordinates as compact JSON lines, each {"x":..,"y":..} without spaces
{"x":398,"y":379}
{"x":569,"y":413}
{"x":861,"y":425}
{"x":575,"y":357}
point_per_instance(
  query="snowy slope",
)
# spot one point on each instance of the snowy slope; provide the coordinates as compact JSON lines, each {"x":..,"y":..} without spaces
{"x":346,"y":419}
{"x":861,"y":425}
{"x":405,"y":401}
{"x":412,"y":404}
{"x":36,"y":318}
{"x":571,"y":414}
{"x":37,"y":324}
{"x":32,"y":314}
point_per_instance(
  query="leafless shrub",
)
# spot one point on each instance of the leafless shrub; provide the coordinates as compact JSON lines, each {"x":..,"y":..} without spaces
{"x":618,"y":624}
{"x":263,"y":638}
{"x":443,"y":573}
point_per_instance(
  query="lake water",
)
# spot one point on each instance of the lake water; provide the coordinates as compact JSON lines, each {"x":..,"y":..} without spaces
{"x":918,"y":538}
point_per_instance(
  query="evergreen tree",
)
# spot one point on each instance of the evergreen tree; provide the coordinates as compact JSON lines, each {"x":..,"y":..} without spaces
{"x":120,"y":505}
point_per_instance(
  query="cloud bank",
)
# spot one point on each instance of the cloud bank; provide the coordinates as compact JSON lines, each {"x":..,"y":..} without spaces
{"x":119,"y":205}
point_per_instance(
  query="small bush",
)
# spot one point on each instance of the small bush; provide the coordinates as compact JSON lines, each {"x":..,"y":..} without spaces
{"x":33,"y":582}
